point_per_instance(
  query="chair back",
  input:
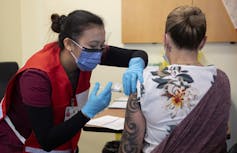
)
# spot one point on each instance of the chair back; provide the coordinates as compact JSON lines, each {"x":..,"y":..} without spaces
{"x":7,"y":70}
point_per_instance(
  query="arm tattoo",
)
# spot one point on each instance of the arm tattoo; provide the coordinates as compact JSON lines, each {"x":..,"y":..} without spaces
{"x":134,"y":127}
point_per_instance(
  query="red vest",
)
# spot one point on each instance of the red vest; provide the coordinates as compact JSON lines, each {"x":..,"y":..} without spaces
{"x":48,"y":60}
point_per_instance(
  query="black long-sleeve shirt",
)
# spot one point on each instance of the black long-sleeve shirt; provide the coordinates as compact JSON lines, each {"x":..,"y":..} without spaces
{"x":115,"y":56}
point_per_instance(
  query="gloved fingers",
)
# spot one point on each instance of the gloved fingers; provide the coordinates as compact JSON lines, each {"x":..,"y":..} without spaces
{"x":126,"y":84}
{"x":107,"y":90}
{"x":133,"y":80}
{"x":95,"y":89}
{"x":107,"y":100}
{"x":137,"y":61}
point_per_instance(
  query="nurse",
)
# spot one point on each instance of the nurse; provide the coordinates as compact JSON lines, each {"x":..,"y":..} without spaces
{"x":46,"y":103}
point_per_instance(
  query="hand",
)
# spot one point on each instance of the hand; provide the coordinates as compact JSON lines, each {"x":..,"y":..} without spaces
{"x":132,"y":74}
{"x":97,"y":103}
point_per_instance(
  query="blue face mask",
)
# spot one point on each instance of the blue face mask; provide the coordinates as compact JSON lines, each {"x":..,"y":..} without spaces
{"x":88,"y":59}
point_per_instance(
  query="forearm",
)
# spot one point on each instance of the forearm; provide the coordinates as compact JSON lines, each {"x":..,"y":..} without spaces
{"x":134,"y":128}
{"x":50,"y":136}
{"x":115,"y":56}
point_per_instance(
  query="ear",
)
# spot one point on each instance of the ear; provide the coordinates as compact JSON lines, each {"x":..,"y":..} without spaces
{"x":167,"y":42}
{"x":203,"y":42}
{"x":67,"y":44}
{"x":165,"y":39}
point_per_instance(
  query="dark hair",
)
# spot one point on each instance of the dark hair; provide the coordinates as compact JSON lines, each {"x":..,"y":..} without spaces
{"x":73,"y":25}
{"x":186,"y":26}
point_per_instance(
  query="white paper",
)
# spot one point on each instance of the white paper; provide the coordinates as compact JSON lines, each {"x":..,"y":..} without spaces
{"x":108,"y":121}
{"x":120,"y":99}
{"x":118,"y":104}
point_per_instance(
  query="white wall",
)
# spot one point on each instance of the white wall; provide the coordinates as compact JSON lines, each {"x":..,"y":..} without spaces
{"x":30,"y":30}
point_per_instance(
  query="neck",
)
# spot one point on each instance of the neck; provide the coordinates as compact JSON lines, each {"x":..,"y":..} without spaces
{"x":184,"y":57}
{"x":196,"y":63}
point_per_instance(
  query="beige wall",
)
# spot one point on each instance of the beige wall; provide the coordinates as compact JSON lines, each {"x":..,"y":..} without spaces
{"x":10,"y":31}
{"x":27,"y":28}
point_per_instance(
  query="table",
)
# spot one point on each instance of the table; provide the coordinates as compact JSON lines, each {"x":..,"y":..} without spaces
{"x":109,"y":111}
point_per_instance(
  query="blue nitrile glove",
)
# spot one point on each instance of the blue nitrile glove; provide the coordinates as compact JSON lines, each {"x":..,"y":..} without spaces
{"x":97,"y":103}
{"x":132,"y":74}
